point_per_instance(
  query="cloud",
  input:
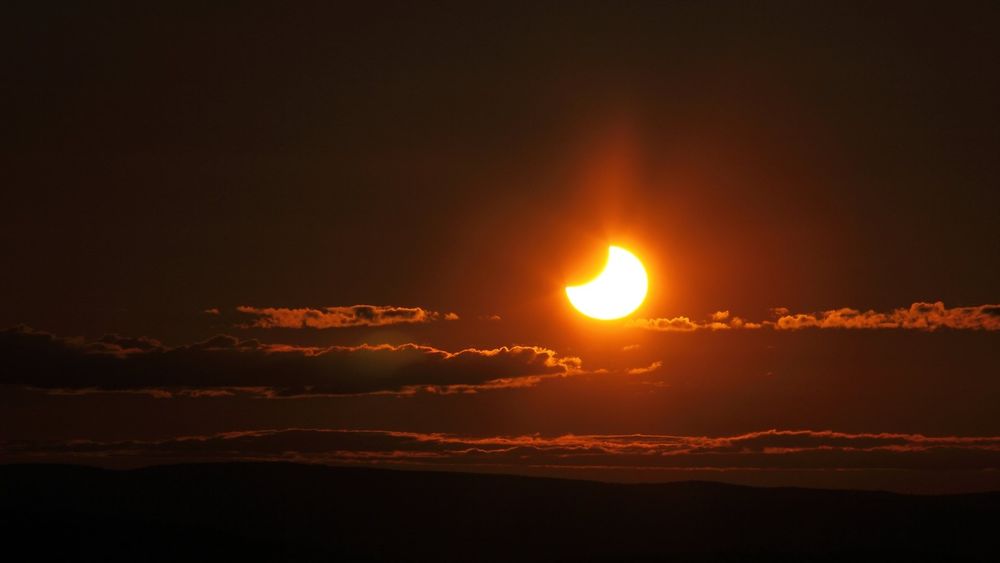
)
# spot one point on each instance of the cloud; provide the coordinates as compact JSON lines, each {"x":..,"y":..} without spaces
{"x":338,"y":317}
{"x":918,"y":316}
{"x":114,"y":343}
{"x":647,"y":369}
{"x":674,"y":324}
{"x":226,"y":364}
{"x":720,"y":320}
{"x":764,"y":450}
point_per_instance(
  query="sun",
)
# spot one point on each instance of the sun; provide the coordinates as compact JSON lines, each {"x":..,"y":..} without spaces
{"x":616,"y":291}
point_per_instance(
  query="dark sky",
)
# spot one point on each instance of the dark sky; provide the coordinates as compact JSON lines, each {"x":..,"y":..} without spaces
{"x":161,"y":161}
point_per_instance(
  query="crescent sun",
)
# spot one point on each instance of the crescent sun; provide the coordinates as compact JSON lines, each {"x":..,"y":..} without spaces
{"x":617,"y":291}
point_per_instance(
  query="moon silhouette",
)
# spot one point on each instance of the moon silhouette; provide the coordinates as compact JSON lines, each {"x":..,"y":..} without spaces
{"x":617,"y":291}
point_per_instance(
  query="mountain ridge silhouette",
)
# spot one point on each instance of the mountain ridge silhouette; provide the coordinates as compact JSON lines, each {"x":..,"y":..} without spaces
{"x":276,"y":511}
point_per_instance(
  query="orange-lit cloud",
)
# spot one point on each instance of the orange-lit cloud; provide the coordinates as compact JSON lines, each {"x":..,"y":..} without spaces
{"x":720,"y":320}
{"x":918,"y":316}
{"x":646,"y":369}
{"x":226,"y":364}
{"x":339,"y":317}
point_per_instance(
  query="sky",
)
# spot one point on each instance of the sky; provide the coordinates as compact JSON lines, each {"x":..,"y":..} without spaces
{"x":341,"y":234}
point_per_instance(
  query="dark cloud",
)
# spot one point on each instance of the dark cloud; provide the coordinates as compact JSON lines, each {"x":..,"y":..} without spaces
{"x":766,"y":450}
{"x":918,"y":316}
{"x":126,"y":344}
{"x":226,"y":364}
{"x":339,"y":317}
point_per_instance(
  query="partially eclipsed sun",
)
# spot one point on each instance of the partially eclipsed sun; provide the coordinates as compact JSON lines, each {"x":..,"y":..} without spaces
{"x":616,"y":292}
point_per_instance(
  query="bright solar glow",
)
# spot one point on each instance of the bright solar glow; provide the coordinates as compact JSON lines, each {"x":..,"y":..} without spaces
{"x":616,"y":292}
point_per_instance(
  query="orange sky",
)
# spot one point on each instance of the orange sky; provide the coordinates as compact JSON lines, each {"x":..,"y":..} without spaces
{"x":346,"y":240}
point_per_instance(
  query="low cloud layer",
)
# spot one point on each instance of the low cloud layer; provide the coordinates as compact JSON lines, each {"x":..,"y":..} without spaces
{"x":918,"y":316}
{"x":338,"y":317}
{"x":225,"y":365}
{"x":766,"y":450}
